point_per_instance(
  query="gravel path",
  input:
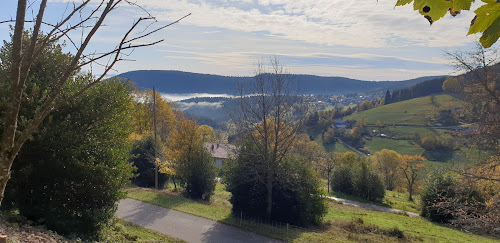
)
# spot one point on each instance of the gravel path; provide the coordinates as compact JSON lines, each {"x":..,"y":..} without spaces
{"x":372,"y":207}
{"x":182,"y":225}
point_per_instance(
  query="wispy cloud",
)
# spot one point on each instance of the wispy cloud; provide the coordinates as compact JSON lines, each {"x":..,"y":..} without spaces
{"x":363,"y":39}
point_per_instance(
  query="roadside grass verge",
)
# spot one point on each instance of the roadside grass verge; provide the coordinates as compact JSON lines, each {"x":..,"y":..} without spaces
{"x":123,"y":231}
{"x":392,"y":199}
{"x":341,"y":224}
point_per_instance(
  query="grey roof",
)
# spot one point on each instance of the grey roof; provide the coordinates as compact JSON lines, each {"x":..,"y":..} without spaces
{"x":220,"y":150}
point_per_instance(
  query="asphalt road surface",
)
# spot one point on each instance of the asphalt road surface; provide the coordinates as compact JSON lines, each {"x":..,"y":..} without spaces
{"x":183,"y":225}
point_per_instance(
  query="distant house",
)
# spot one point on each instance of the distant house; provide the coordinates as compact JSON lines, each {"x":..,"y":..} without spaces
{"x":220,"y":152}
{"x":340,"y":123}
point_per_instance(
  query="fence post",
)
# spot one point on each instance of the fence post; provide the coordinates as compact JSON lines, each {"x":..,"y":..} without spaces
{"x":286,"y":230}
{"x":241,"y":217}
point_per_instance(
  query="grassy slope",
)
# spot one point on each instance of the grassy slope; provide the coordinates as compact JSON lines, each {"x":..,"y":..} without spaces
{"x":408,"y":112}
{"x":335,"y":229}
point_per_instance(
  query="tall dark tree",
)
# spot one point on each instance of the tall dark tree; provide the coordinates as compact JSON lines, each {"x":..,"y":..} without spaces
{"x":388,"y":97}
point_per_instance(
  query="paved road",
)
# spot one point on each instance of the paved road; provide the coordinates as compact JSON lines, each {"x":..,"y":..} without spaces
{"x":182,"y":225}
{"x":372,"y":207}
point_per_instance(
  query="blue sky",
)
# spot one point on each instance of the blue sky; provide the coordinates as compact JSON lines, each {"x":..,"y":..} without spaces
{"x":362,"y":39}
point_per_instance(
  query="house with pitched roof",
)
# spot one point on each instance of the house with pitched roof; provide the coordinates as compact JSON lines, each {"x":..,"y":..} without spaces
{"x":220,"y":152}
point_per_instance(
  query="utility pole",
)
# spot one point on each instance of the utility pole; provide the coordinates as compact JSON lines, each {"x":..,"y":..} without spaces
{"x":154,"y":124}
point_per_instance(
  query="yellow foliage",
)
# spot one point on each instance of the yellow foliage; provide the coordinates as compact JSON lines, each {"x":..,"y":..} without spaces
{"x":142,"y":115}
{"x":207,"y":134}
{"x":275,"y":134}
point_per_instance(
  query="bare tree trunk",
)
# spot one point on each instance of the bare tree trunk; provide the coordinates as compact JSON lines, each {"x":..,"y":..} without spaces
{"x":269,"y":185}
{"x":410,"y":191}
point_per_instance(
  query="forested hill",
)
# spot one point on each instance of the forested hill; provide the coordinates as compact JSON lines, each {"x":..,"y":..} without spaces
{"x":177,"y":82}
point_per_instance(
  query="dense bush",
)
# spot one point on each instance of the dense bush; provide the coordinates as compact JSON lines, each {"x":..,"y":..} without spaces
{"x":70,"y":174}
{"x":432,"y":142}
{"x":197,"y":170}
{"x":358,"y":180}
{"x":144,"y":159}
{"x":342,"y":180}
{"x":440,"y":188}
{"x":296,"y":191}
{"x":368,"y":184}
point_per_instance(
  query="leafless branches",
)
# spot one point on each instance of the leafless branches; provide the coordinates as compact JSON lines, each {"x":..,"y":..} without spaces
{"x":85,"y":17}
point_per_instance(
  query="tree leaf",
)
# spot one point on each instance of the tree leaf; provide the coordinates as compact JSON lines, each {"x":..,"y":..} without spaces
{"x":459,"y":5}
{"x":491,"y":34}
{"x":403,"y":2}
{"x":486,"y":15}
{"x":432,"y":10}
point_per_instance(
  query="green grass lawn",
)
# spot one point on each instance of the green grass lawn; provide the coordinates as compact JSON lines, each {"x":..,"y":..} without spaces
{"x":123,"y":231}
{"x":341,"y":223}
{"x":401,"y":146}
{"x":416,"y":111}
{"x":406,"y":132}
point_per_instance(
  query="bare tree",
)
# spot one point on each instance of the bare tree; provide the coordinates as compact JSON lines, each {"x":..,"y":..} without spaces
{"x":480,"y":84}
{"x":476,"y":204}
{"x":85,"y":16}
{"x":270,"y":118}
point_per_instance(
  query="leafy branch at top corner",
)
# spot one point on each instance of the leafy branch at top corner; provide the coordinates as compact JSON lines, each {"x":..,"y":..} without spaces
{"x":486,"y":21}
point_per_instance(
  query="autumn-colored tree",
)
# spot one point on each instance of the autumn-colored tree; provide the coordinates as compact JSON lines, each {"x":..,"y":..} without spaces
{"x":268,"y":118}
{"x":329,"y":136}
{"x":207,"y":134}
{"x":411,"y":166}
{"x":451,"y":85}
{"x":348,"y":158}
{"x":142,"y":122}
{"x":191,"y":161}
{"x":387,"y":162}
{"x":327,"y":164}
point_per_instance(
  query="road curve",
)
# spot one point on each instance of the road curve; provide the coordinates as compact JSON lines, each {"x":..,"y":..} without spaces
{"x":183,"y":225}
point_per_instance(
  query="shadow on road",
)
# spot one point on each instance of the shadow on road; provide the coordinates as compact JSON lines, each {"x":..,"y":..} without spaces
{"x":142,"y":214}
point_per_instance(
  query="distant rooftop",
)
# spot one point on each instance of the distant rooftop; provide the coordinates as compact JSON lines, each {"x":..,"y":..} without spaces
{"x":220,"y":150}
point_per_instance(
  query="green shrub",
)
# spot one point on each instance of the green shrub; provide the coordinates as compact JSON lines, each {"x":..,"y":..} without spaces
{"x":197,"y":170}
{"x":342,"y":180}
{"x":368,"y":184}
{"x":360,"y":182}
{"x":296,"y":190}
{"x":70,"y":174}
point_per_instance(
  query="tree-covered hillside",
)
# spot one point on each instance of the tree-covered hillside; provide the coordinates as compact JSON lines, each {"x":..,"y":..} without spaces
{"x":178,"y":82}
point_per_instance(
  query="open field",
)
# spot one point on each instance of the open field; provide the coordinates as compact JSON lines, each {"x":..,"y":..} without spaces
{"x":401,"y":146}
{"x":341,"y":224}
{"x":416,"y":111}
{"x":407,"y":132}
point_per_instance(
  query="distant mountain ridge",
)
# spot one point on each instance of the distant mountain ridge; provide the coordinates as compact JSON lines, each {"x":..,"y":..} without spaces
{"x":178,"y":82}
